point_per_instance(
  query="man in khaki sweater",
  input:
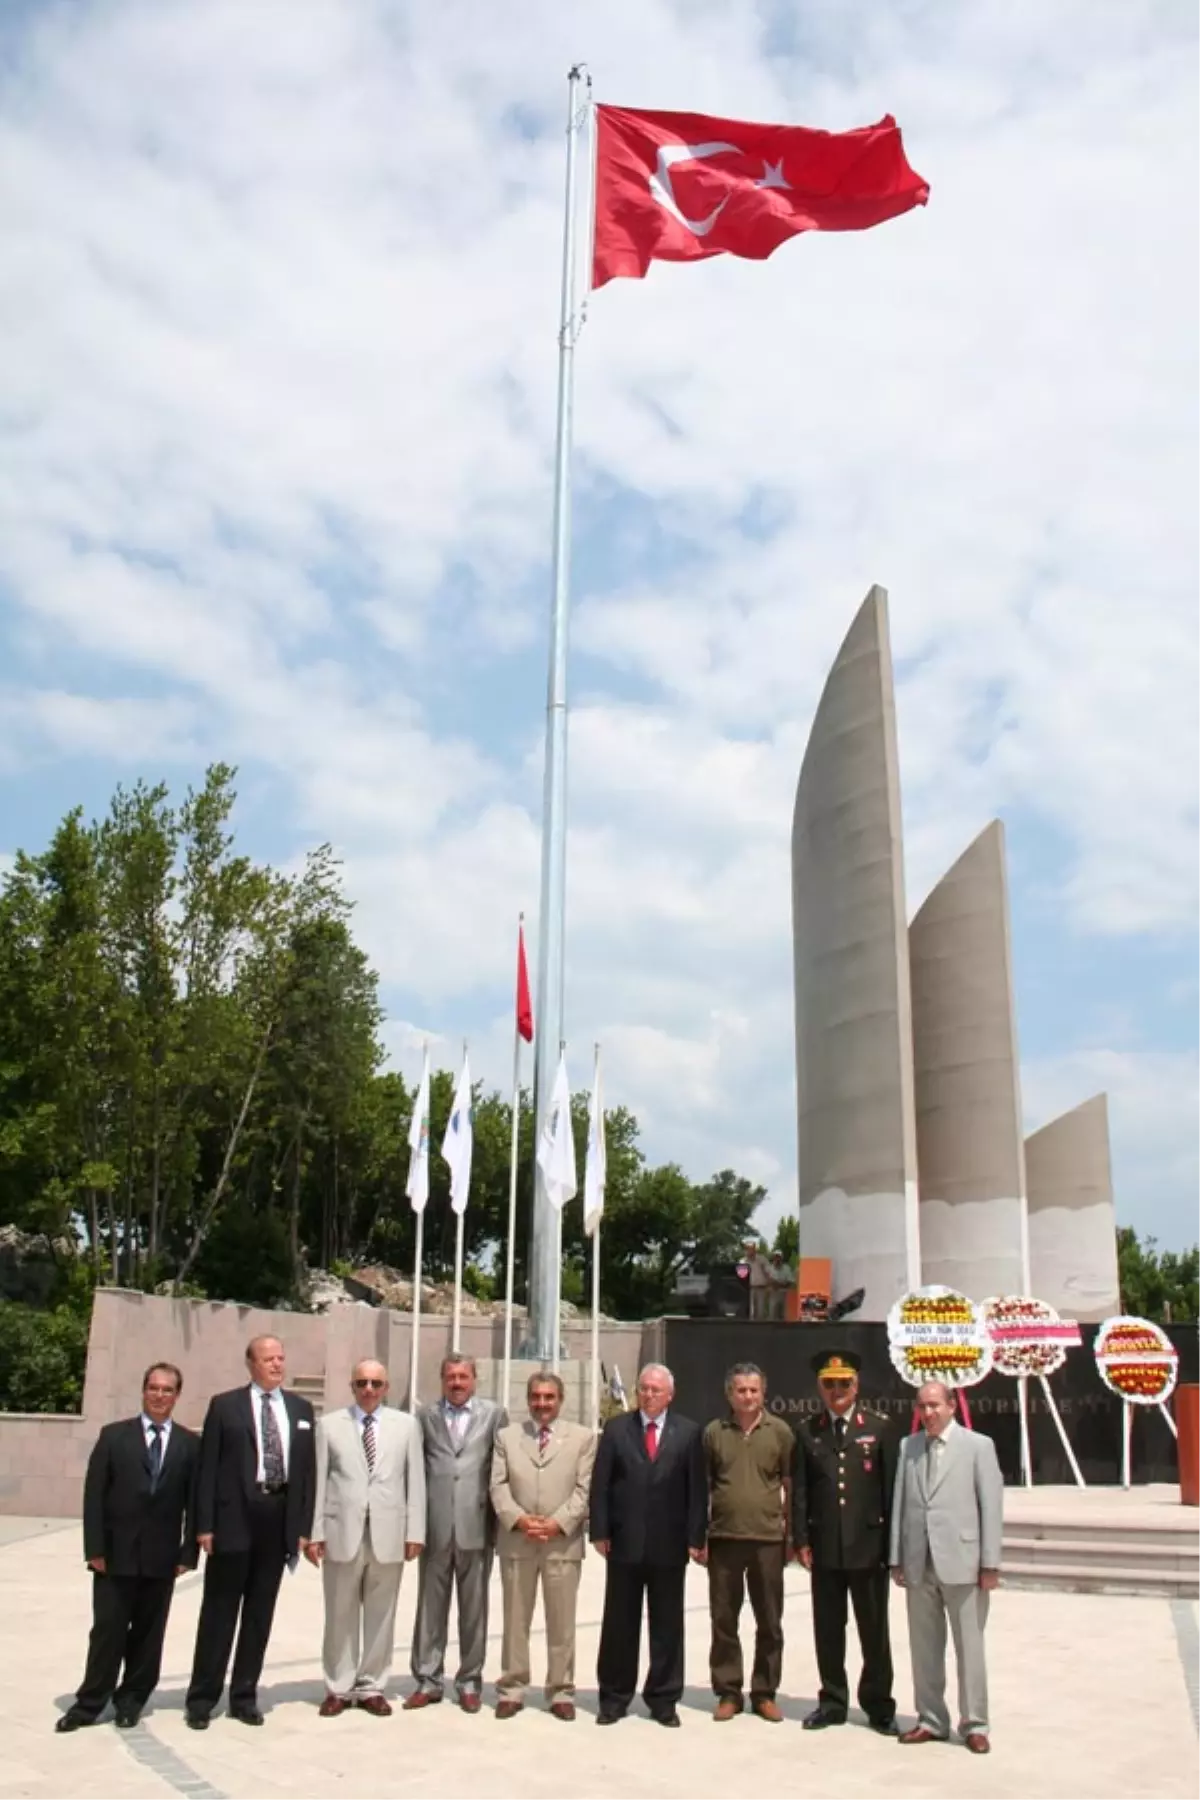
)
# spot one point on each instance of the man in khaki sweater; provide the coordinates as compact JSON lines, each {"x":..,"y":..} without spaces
{"x":541,"y":1473}
{"x":749,"y":1457}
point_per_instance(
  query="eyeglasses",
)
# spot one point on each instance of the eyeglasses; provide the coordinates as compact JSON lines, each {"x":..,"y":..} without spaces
{"x":835,"y":1382}
{"x":369,"y":1381}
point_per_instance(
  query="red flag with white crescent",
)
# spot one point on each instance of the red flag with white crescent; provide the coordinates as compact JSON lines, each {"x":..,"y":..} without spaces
{"x":524,"y":1003}
{"x":678,"y":186}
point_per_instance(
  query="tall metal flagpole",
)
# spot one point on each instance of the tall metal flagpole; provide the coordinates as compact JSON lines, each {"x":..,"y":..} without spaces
{"x":544,"y":1270}
{"x":510,"y":1252}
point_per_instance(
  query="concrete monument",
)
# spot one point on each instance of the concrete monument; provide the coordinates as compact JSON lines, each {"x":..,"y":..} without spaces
{"x":970,"y":1148}
{"x":1072,"y":1222}
{"x":854,"y":1075}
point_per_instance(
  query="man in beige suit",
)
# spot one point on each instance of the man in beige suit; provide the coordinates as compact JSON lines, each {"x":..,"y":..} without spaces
{"x":947,"y":1525}
{"x":541,"y":1473}
{"x":369,"y":1520}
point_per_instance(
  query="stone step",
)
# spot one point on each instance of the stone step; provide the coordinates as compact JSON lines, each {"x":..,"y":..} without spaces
{"x":1120,"y":1550}
{"x":1180,"y":1533}
{"x":1092,"y":1578}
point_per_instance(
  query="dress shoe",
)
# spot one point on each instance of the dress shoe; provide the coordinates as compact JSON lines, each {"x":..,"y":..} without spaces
{"x":331,"y":1706}
{"x":125,"y":1721}
{"x":670,"y":1719}
{"x":726,"y":1709}
{"x":508,"y":1709}
{"x":977,"y":1743}
{"x":823,"y":1716}
{"x":885,"y":1727}
{"x":419,"y":1699}
{"x":767,"y":1709}
{"x":196,"y":1721}
{"x":376,"y":1705}
{"x":609,"y":1718}
{"x":72,"y":1721}
{"x":246,"y":1715}
{"x":470,"y":1703}
{"x":920,"y":1734}
{"x":563,"y":1709}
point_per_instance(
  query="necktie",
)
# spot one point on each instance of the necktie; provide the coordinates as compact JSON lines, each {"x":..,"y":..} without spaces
{"x":839,"y":1431}
{"x":458,"y":1424}
{"x":543,"y":1439}
{"x":156,"y":1455}
{"x":652,"y":1439}
{"x":369,"y":1443}
{"x":274,"y":1470}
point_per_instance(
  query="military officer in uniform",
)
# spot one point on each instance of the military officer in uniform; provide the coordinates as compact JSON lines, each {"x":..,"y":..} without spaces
{"x":843,"y":1472}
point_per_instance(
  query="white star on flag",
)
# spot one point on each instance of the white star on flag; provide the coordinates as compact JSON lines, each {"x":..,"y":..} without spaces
{"x":459,"y":1141}
{"x":556,"y":1151}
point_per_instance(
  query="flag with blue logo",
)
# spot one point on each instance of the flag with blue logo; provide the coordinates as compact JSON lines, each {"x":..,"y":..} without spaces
{"x":417,"y":1185}
{"x":459,"y":1141}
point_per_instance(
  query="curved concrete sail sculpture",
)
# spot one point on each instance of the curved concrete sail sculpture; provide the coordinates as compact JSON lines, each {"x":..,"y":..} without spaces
{"x":970,"y":1148}
{"x":1072,"y":1221}
{"x":854,"y":1080}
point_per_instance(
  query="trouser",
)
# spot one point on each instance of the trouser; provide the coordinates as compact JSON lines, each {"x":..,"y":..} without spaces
{"x":867,"y":1590}
{"x":468,"y":1573}
{"x":760,"y":1303}
{"x":930,"y":1604}
{"x":735,"y":1565}
{"x":129,"y":1622}
{"x":360,"y":1621}
{"x":626,"y":1585}
{"x":244,"y":1582}
{"x":519,"y":1578}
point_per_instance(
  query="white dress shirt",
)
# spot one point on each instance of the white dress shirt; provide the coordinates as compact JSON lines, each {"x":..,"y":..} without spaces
{"x":659,"y":1423}
{"x":149,"y":1426}
{"x":281,"y":1420}
{"x":458,"y":1419}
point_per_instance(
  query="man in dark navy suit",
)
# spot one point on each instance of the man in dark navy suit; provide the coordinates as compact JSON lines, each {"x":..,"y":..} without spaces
{"x":648,"y":1512}
{"x":137,"y":1537}
{"x":255,"y":1493}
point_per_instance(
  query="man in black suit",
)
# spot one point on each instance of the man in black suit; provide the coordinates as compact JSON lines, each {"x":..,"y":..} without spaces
{"x":843,"y":1473}
{"x":254,"y":1510}
{"x":137,"y":1538}
{"x":648,"y":1513}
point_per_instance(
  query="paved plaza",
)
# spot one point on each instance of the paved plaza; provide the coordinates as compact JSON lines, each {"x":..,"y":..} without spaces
{"x":1091,"y":1696}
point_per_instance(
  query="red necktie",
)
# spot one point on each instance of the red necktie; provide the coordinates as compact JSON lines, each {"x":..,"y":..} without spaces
{"x":652,"y":1439}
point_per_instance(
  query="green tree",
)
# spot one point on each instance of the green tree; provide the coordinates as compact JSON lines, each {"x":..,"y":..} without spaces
{"x":787,"y":1239}
{"x":1159,"y":1285}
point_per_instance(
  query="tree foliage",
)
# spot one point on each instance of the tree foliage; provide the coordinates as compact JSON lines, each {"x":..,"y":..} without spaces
{"x":1163,"y":1285}
{"x":191,"y":1087}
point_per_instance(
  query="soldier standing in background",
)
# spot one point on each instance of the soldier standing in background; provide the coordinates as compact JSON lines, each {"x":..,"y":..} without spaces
{"x":843,"y":1473}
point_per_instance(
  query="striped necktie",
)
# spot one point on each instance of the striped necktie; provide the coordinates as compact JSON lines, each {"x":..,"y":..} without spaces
{"x":369,"y":1442}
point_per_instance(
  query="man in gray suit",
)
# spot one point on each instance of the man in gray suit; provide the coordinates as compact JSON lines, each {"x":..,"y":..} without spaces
{"x":947,"y":1523}
{"x":459,"y":1433}
{"x":369,"y":1520}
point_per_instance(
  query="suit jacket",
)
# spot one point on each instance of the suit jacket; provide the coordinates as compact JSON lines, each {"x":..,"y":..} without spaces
{"x":650,"y":1512}
{"x":458,"y":1510}
{"x":553,"y":1483}
{"x":228,"y":1473}
{"x":842,"y":1498}
{"x":136,"y":1531}
{"x":393,"y":1498}
{"x":954,"y":1518}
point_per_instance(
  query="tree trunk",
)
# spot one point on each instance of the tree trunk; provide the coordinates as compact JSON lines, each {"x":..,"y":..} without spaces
{"x":94,"y":1233}
{"x":214,"y":1199}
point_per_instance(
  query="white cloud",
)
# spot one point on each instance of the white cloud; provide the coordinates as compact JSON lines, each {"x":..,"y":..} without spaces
{"x":279,"y":321}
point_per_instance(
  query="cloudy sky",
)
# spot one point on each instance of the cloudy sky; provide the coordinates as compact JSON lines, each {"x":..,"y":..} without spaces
{"x":278,"y":303}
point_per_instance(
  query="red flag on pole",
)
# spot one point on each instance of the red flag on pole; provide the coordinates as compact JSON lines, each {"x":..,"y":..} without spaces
{"x":524,"y":1003}
{"x":680,"y":186}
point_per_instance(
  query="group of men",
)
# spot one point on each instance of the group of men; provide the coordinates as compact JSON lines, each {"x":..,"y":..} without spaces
{"x":369,"y":1488}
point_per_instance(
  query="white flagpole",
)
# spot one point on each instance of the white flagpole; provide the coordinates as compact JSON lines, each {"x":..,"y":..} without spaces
{"x":556,"y":1358}
{"x":510,"y":1254}
{"x":1126,"y":1443}
{"x":414,"y":1370}
{"x":456,"y":1324}
{"x":545,"y":1237}
{"x":595,"y":1419}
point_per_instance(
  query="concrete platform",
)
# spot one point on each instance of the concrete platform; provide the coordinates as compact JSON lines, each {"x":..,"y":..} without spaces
{"x":1090,"y":1697}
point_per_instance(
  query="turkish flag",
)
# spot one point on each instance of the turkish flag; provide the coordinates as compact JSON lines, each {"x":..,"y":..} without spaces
{"x":524,"y":1003}
{"x":680,"y":186}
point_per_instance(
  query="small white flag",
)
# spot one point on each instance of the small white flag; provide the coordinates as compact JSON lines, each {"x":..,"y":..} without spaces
{"x":417,"y":1185}
{"x":556,"y":1151}
{"x":597,"y":1160}
{"x":459,"y":1141}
